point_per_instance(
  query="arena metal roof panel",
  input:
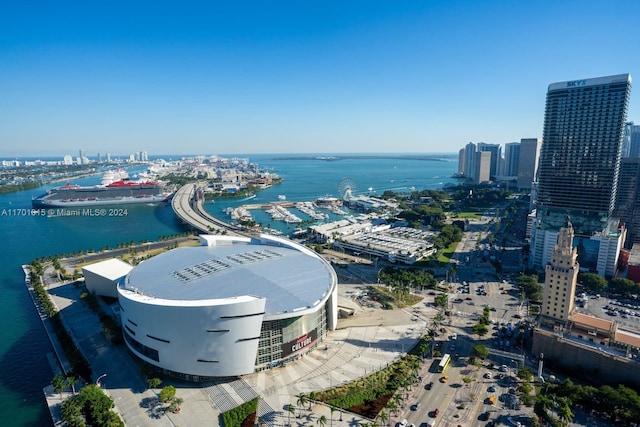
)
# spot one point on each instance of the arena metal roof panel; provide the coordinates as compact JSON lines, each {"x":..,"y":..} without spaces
{"x":288,"y":278}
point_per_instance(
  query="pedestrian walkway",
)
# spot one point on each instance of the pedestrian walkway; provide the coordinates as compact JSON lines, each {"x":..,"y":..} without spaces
{"x":368,"y":342}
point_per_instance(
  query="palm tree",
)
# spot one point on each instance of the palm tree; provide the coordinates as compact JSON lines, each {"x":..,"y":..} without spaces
{"x":543,"y":402}
{"x":322,"y":421}
{"x":291,"y":410}
{"x":564,"y":411}
{"x":58,"y":384}
{"x":383,"y":417}
{"x":398,"y":399}
{"x":312,"y":397}
{"x":424,"y":347}
{"x":302,"y":400}
{"x":392,"y":406}
{"x":71,"y":382}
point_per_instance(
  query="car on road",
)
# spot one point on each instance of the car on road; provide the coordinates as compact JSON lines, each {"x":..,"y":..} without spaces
{"x":428,"y":385}
{"x":415,"y":406}
{"x":491,"y":389}
{"x":513,"y":422}
{"x":436,"y":412}
{"x":402,"y":423}
{"x":488,"y":375}
{"x":444,"y":379}
{"x":484,"y":416}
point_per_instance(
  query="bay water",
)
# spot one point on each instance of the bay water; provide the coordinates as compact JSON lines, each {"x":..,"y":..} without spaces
{"x":24,"y":367}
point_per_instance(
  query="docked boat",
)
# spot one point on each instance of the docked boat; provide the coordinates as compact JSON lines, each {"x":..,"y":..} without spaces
{"x":115,"y":188}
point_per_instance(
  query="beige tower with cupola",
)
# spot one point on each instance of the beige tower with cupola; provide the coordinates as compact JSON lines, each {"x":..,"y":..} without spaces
{"x":561,"y":277}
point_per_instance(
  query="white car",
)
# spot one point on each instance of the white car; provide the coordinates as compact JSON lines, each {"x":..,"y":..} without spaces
{"x":402,"y":423}
{"x":514,"y":422}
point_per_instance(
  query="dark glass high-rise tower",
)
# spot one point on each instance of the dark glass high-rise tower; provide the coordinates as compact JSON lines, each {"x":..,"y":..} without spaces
{"x":581,"y":150}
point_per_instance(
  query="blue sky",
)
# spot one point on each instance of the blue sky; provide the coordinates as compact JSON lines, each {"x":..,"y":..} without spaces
{"x":295,"y":76}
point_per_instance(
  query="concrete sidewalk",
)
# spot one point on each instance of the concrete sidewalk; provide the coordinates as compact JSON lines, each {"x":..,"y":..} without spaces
{"x":367,"y":342}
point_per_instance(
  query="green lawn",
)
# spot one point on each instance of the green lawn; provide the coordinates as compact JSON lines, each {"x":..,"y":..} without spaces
{"x":445,"y":255}
{"x":470,"y":215}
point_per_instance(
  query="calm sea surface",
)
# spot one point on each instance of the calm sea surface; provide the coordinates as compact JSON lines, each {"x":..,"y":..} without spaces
{"x":24,"y":369}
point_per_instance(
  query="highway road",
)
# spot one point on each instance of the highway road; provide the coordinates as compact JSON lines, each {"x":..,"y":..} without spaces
{"x":191,"y":211}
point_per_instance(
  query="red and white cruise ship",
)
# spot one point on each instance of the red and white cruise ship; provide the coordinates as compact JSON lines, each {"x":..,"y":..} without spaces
{"x":116,"y":188}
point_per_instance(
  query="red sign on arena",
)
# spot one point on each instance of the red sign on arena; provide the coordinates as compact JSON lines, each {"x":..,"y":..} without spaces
{"x":300,"y":343}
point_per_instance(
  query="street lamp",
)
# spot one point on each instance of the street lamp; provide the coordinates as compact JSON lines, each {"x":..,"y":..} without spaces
{"x":99,"y":378}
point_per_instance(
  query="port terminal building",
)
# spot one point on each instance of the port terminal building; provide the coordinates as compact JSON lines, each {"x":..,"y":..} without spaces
{"x":232,"y":306}
{"x":375,"y":238}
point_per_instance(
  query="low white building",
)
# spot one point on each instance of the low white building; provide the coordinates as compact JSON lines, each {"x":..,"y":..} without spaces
{"x":102,"y":278}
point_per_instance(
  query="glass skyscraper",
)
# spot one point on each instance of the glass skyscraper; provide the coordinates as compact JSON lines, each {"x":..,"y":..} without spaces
{"x":579,"y":168}
{"x":582,"y":146}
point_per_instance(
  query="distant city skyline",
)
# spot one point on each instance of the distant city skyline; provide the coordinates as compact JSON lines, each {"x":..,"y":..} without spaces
{"x":332,"y":77}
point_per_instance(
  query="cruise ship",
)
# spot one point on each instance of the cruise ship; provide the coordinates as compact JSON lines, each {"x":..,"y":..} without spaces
{"x":116,"y":188}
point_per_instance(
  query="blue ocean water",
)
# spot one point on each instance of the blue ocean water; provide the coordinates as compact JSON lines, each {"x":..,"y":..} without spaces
{"x":24,"y":369}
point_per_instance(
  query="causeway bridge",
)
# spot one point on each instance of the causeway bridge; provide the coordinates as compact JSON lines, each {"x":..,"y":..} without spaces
{"x":188,"y":204}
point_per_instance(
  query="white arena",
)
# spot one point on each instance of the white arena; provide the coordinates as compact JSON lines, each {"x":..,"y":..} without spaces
{"x":232,"y":306}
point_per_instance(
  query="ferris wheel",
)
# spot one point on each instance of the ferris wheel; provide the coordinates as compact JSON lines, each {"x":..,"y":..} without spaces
{"x":347,"y":188}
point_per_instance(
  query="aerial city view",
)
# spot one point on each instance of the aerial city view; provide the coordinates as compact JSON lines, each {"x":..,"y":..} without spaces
{"x":350,"y":214}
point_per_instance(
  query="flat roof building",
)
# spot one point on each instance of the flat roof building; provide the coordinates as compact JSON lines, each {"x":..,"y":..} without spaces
{"x":102,"y":278}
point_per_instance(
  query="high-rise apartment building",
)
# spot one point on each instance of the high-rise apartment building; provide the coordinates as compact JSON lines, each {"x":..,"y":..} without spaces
{"x":470,"y":159}
{"x":482,"y":167}
{"x":496,"y":154}
{"x":634,"y":140}
{"x":628,"y":198}
{"x":511,"y":159}
{"x":581,"y":147}
{"x":579,"y":167}
{"x":561,"y":276}
{"x":528,"y":162}
{"x":461,"y":158}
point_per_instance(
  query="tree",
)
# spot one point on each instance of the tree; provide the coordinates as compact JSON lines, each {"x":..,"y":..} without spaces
{"x":530,"y":287}
{"x":392,"y":406}
{"x":524,"y":374}
{"x":302,"y":400}
{"x":564,"y":411}
{"x":167,"y":393}
{"x":622,"y":286}
{"x":442,"y":300}
{"x":481,"y":351}
{"x":384,"y":417}
{"x":71,"y":382}
{"x":153,"y":382}
{"x":480,"y":329}
{"x":58,"y":384}
{"x":592,"y":282}
{"x":322,"y":421}
{"x":291,"y":410}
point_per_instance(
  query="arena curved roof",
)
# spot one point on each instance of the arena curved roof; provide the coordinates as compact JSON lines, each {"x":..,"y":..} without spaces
{"x":291,"y":277}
